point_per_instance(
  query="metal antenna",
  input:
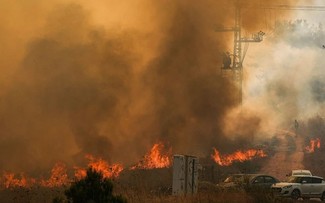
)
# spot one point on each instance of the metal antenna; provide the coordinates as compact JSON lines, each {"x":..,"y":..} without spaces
{"x":236,"y":69}
{"x":237,"y":62}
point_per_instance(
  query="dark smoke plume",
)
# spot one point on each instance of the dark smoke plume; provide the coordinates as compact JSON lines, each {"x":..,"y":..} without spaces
{"x":114,"y":91}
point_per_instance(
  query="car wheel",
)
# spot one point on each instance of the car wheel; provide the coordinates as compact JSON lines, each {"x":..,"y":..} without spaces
{"x":323,"y":197}
{"x":295,"y":194}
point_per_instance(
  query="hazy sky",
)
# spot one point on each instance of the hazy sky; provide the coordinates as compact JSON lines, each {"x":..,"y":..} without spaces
{"x":314,"y":16}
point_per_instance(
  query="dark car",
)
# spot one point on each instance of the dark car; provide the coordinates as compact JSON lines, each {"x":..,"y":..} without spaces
{"x":248,"y":181}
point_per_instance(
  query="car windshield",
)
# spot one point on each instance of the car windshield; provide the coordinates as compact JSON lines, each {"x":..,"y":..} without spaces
{"x":293,"y":179}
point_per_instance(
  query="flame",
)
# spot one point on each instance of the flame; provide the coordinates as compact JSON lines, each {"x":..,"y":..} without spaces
{"x":314,"y":143}
{"x":58,"y":177}
{"x":241,"y":156}
{"x":79,"y":173}
{"x":9,"y":180}
{"x":99,"y":165}
{"x":157,"y":157}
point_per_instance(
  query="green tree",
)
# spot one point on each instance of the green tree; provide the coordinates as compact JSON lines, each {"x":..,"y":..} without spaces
{"x":93,"y":188}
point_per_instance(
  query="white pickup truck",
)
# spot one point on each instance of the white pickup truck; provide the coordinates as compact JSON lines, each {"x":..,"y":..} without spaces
{"x":301,"y":186}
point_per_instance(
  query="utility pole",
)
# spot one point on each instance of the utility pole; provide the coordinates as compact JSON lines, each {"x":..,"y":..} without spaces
{"x":237,"y":60}
{"x":236,"y":69}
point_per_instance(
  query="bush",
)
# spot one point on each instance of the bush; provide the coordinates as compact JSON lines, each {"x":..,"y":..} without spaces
{"x":93,"y":188}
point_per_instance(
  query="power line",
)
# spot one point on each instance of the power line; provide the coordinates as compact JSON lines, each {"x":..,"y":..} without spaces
{"x":238,"y":56}
{"x":286,"y":7}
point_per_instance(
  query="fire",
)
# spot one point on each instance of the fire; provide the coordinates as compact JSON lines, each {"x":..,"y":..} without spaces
{"x":241,"y":156}
{"x":58,"y":177}
{"x":11,"y":180}
{"x":314,"y":144}
{"x":80,"y":173}
{"x":157,"y":157}
{"x":100,"y":165}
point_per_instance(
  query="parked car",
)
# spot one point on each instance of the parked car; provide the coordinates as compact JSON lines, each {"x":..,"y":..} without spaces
{"x":301,"y":186}
{"x":248,"y":181}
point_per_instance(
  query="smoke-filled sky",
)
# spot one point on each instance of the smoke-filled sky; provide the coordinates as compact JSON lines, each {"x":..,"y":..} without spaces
{"x":111,"y":78}
{"x":285,"y":76}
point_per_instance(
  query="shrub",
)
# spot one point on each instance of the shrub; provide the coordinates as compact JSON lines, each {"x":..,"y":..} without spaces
{"x":93,"y":188}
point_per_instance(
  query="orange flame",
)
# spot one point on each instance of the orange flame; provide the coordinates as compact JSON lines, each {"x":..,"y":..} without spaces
{"x":314,"y":143}
{"x":157,"y":157}
{"x":241,"y":156}
{"x":100,"y":165}
{"x":80,"y":173}
{"x":9,"y":180}
{"x":58,"y":177}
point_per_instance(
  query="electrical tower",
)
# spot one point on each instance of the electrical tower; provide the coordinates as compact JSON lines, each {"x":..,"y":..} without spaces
{"x":236,"y":69}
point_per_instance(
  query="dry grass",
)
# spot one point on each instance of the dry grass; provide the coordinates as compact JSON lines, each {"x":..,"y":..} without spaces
{"x":22,"y":195}
{"x":30,"y":195}
{"x":206,"y":194}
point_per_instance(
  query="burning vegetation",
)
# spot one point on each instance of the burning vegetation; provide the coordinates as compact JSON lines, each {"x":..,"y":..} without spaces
{"x":59,"y":175}
{"x":11,"y":180}
{"x":238,"y":156}
{"x":58,"y":178}
{"x":313,"y":145}
{"x":99,"y":165}
{"x":159,"y":156}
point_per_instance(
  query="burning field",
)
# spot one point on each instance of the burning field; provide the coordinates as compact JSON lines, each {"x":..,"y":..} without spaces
{"x":59,"y":174}
{"x":241,"y":156}
{"x":159,"y":156}
{"x":121,"y":87}
{"x":138,"y":178}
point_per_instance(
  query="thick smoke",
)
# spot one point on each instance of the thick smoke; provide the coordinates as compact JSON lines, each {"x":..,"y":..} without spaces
{"x":286,"y":78}
{"x":70,"y":82}
{"x":113,"y":87}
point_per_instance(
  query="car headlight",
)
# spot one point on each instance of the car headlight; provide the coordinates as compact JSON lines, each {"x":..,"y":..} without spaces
{"x":287,"y":187}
